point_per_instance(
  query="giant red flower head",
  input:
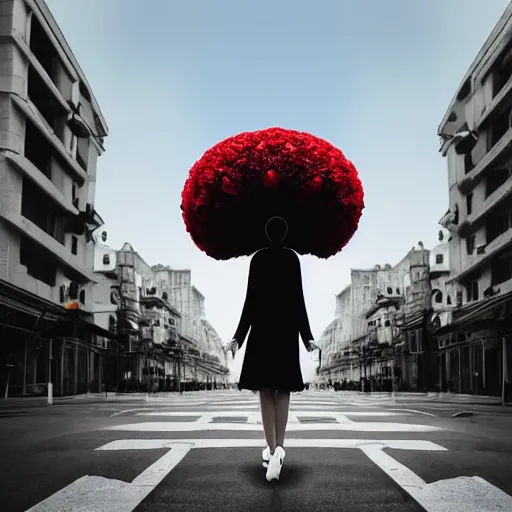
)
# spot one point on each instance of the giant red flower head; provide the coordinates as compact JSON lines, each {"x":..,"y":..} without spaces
{"x":244,"y":180}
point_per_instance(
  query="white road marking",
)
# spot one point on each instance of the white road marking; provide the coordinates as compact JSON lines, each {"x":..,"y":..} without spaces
{"x":304,"y":414}
{"x":159,"y":444}
{"x":462,"y":494}
{"x":127,"y":411}
{"x":414,"y":411}
{"x":192,"y":426}
{"x":99,"y":494}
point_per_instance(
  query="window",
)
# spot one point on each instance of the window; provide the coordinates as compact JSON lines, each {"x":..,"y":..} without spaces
{"x":73,"y":290}
{"x":502,"y":69}
{"x":74,"y":194}
{"x":114,"y":295}
{"x":390,"y":290}
{"x":38,"y":208}
{"x":470,"y":244}
{"x":501,"y":269}
{"x":496,"y":224}
{"x":438,"y":297}
{"x":82,"y":153}
{"x":495,"y":179}
{"x":413,"y":342}
{"x":448,"y":300}
{"x":82,"y":296}
{"x":498,"y":129}
{"x":165,"y":296}
{"x":106,"y":259}
{"x":469,"y":203}
{"x":439,"y":259}
{"x":40,"y":263}
{"x":472,"y":290}
{"x":468,"y":163}
{"x":74,"y":245}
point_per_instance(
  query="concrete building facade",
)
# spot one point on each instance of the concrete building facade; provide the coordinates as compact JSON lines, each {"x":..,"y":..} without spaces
{"x":52,"y":132}
{"x":379,"y":330}
{"x":163,"y":340}
{"x":476,"y":136}
{"x":203,"y":346}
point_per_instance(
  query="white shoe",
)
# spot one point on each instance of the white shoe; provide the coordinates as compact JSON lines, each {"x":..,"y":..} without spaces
{"x":266,"y":456}
{"x":275,"y":464}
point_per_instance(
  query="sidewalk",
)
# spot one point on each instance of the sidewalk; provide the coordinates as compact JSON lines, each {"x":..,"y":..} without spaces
{"x":112,"y":397}
{"x":402,"y":396}
{"x":425,"y":396}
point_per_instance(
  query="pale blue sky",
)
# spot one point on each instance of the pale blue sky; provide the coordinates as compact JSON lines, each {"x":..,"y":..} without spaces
{"x":173,"y":77}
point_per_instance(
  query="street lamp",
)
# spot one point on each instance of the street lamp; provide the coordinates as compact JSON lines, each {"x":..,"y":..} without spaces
{"x":397,"y":322}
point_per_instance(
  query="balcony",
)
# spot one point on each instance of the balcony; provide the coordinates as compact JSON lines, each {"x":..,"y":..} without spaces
{"x":30,"y":171}
{"x":37,"y":120}
{"x":492,"y":201}
{"x":499,"y":244}
{"x":500,"y":103}
{"x":497,"y":152}
{"x":384,"y":301}
{"x":40,"y":237}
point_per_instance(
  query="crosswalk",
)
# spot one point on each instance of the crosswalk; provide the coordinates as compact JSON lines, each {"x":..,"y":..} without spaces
{"x":218,"y":423}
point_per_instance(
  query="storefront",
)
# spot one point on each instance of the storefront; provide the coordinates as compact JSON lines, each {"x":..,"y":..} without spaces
{"x":475,"y":350}
{"x":43,"y":342}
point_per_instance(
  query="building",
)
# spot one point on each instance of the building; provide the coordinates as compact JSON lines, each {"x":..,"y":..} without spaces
{"x":51,"y":134}
{"x":381,"y":327}
{"x":204,"y":357}
{"x":476,"y":136}
{"x":443,"y":303}
{"x":164,"y":342}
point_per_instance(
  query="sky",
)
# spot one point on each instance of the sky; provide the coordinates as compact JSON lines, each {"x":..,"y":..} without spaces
{"x":174,"y":77}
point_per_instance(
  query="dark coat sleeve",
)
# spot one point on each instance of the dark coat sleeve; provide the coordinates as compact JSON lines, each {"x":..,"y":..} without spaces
{"x":247,"y":313}
{"x":304,"y":327}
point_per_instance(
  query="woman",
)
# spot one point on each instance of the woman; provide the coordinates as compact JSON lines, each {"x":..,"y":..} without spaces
{"x":275,"y":312}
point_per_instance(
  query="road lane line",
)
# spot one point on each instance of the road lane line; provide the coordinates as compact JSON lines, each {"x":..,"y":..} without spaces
{"x":126,"y":411}
{"x":461,"y":494}
{"x":153,"y":475}
{"x":99,"y":494}
{"x":159,"y":444}
{"x":178,"y":426}
{"x":415,"y":411}
{"x":305,"y":413}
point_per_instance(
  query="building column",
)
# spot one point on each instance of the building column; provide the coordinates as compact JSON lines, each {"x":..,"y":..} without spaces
{"x":75,"y":379}
{"x":471,"y":370}
{"x":100,"y":373}
{"x":24,"y":386}
{"x":459,"y":355}
{"x":62,"y":356}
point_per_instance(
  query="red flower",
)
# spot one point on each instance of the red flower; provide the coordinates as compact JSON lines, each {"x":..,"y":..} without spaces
{"x":242,"y":181}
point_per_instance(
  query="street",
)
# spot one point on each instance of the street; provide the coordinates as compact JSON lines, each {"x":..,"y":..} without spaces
{"x":202,"y":451}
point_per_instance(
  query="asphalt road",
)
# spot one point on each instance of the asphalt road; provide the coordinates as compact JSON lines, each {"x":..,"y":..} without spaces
{"x":203,"y":453}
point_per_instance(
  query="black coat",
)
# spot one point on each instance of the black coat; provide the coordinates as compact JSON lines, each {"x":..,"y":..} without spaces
{"x":275,"y":312}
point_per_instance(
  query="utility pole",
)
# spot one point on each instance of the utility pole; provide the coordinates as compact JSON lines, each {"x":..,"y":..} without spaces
{"x":50,"y":383}
{"x":393,"y":376}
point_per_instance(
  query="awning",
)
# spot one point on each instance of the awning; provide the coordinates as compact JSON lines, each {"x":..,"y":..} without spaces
{"x":487,"y":310}
{"x":414,"y":322}
{"x":20,"y":300}
{"x":153,"y":300}
{"x":128,"y":325}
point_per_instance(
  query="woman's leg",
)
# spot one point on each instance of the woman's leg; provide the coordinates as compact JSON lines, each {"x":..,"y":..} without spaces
{"x":268,"y":416}
{"x":282,"y":401}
